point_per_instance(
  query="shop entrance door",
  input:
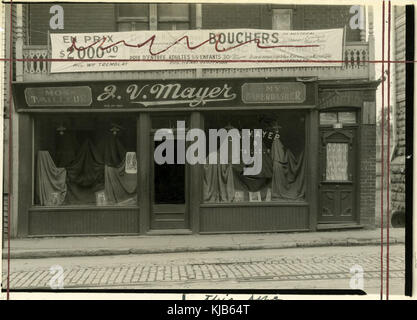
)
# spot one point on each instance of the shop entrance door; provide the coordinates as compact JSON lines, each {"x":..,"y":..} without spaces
{"x":338,"y":178}
{"x":169,"y":192}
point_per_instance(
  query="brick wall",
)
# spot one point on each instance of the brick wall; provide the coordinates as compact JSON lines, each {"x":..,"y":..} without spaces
{"x":328,"y":17}
{"x":91,"y":18}
{"x":367,"y":175}
{"x":398,"y":163}
{"x":260,"y":16}
{"x":5,"y":92}
{"x":102,"y":18}
{"x":221,"y":16}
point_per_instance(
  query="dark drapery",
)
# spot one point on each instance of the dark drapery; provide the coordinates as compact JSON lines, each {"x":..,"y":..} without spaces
{"x":91,"y":168}
{"x":288,"y":180}
{"x":67,"y":147}
{"x":51,"y":187}
{"x":120,"y":187}
{"x":283,"y":174}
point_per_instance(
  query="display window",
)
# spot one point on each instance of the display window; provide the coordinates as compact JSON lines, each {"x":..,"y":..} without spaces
{"x":282,"y":177}
{"x":87,"y":160}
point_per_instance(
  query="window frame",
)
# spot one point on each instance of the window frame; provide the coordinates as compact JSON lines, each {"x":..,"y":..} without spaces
{"x":337,"y":111}
{"x":37,"y":136}
{"x":275,"y":14}
{"x":153,"y":18}
{"x":132,"y":20}
{"x":303,"y":202}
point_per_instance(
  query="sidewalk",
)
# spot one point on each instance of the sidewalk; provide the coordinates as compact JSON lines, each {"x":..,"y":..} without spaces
{"x":122,"y":245}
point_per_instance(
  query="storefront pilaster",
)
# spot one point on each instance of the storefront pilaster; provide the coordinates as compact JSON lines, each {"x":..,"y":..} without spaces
{"x":144,"y":159}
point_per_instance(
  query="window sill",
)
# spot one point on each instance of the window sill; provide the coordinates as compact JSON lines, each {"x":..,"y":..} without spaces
{"x":337,"y":182}
{"x":255,"y":204}
{"x":81,"y":208}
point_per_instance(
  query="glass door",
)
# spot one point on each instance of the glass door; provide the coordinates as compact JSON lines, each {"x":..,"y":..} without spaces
{"x":169,"y":192}
{"x":337,"y":176}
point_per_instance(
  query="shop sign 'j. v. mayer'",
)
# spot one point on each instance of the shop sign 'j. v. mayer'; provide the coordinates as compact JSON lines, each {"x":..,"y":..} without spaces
{"x":169,"y":94}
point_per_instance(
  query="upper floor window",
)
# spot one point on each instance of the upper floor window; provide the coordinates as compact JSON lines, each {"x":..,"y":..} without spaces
{"x":282,"y":19}
{"x":173,"y":16}
{"x":131,"y":17}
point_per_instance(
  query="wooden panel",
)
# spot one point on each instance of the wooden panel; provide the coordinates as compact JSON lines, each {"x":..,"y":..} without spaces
{"x":144,"y":161}
{"x":312,"y":165}
{"x":74,"y":221}
{"x":168,"y":216}
{"x":253,"y":218}
{"x":24,"y":171}
{"x":196,"y":121}
{"x":169,"y":208}
{"x":369,"y":112}
{"x":328,"y":204}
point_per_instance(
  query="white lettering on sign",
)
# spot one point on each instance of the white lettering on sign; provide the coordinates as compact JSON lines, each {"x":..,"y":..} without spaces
{"x":172,"y":93}
{"x":58,"y":96}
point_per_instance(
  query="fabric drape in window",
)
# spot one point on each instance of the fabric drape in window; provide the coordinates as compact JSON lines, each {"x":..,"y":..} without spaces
{"x":51,"y":187}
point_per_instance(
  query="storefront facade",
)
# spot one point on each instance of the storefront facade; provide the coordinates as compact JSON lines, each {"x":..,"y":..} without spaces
{"x":90,"y":150}
{"x":84,"y":142}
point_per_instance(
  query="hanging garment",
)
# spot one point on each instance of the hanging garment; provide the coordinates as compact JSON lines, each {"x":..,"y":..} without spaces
{"x":51,"y":187}
{"x":119,"y":186}
{"x":109,"y":150}
{"x":66,"y":149}
{"x":87,"y":169}
{"x":219,"y":185}
{"x":226,"y":182}
{"x":81,"y":195}
{"x":288,"y":181}
{"x":255,"y":183}
{"x":210,"y":183}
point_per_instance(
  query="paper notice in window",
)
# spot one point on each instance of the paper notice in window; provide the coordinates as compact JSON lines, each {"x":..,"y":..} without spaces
{"x":131,"y":166}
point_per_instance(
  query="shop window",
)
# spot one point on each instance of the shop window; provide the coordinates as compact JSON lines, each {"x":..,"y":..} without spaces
{"x":282,"y":177}
{"x":282,"y":19}
{"x":88,"y":160}
{"x":345,"y":117}
{"x":133,"y":17}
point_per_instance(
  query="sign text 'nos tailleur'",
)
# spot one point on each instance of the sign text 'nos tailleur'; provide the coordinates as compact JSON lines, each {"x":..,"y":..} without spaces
{"x":168,"y":94}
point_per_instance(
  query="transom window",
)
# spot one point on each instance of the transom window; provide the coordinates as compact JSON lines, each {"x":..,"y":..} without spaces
{"x":344,"y":117}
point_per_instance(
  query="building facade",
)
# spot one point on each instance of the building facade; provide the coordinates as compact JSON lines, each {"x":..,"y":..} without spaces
{"x":83,"y":160}
{"x":399,"y":103}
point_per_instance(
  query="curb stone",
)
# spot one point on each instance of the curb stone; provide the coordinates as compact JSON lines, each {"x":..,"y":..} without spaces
{"x":48,"y":253}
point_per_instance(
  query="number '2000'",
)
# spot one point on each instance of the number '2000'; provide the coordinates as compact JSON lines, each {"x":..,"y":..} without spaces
{"x":92,"y":53}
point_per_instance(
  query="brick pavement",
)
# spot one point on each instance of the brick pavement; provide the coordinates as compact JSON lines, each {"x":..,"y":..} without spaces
{"x":234,"y":269}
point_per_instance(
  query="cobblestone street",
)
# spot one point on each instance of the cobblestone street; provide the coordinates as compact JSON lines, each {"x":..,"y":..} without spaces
{"x":283,"y":268}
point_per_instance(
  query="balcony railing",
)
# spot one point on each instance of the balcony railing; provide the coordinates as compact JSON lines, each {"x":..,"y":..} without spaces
{"x":355,"y":66}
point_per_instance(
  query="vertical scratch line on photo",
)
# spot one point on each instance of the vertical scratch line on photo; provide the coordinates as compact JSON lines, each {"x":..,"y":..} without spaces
{"x":10,"y":147}
{"x":388,"y":141}
{"x":382,"y":151}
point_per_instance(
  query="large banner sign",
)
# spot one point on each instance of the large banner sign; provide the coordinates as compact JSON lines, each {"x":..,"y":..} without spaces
{"x":188,"y":49}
